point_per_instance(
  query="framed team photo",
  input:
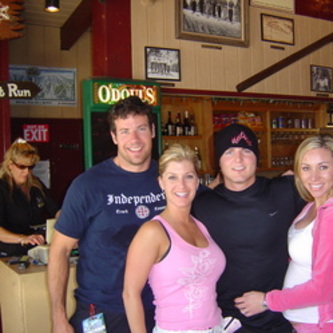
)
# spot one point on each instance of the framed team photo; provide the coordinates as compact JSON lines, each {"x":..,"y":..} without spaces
{"x":162,"y":63}
{"x":220,"y":22}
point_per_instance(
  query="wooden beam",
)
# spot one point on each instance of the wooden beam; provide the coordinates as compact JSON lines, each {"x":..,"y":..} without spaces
{"x":284,"y":63}
{"x":76,"y":24}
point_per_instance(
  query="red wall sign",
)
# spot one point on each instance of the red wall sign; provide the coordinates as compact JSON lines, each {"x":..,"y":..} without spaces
{"x":36,"y":133}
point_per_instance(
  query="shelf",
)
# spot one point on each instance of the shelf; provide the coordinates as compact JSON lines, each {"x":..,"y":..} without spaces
{"x":310,"y":130}
{"x":256,"y":130}
{"x":182,"y":137}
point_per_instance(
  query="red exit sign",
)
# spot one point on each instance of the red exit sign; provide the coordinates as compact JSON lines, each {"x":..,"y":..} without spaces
{"x":36,"y":133}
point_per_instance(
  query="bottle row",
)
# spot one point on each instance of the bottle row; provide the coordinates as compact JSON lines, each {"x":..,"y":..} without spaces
{"x":289,"y":137}
{"x":283,"y":122}
{"x":282,"y":161}
{"x":185,"y":127}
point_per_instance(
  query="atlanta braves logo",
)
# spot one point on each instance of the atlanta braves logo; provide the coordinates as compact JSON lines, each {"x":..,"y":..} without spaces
{"x":241,"y":136}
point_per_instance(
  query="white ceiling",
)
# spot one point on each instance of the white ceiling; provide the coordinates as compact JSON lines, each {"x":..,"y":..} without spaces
{"x":34,"y":13}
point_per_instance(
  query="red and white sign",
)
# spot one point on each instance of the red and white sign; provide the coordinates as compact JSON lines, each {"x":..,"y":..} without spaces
{"x":36,"y":133}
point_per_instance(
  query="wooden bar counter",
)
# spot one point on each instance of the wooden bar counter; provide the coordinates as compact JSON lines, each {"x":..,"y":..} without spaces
{"x":24,"y":299}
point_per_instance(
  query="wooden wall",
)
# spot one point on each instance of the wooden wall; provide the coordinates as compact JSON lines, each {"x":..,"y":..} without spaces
{"x":40,"y":46}
{"x":153,"y":24}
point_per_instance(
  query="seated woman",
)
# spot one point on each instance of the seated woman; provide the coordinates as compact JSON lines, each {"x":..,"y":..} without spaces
{"x":24,"y":201}
{"x":307,"y":297}
{"x":178,"y":256}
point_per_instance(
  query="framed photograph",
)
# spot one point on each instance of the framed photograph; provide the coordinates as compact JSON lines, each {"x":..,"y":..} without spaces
{"x":277,"y":29}
{"x":282,"y":5}
{"x":321,"y":79}
{"x":219,"y":22}
{"x":57,"y":85}
{"x":162,"y":64}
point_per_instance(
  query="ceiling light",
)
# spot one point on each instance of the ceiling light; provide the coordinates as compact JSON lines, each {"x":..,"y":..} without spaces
{"x":52,"y":6}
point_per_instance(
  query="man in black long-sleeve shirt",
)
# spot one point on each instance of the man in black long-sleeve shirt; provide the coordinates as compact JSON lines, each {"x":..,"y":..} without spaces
{"x":248,"y":217}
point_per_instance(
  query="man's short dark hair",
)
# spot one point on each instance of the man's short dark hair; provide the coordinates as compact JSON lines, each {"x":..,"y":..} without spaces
{"x":131,"y":105}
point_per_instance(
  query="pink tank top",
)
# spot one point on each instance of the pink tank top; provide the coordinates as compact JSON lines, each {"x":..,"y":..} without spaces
{"x":184,"y":282}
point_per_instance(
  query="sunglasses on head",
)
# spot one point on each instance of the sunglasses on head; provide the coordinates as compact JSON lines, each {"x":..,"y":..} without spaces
{"x":23,"y":167}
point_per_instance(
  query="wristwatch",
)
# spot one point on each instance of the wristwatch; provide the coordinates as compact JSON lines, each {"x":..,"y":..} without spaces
{"x":264,"y":303}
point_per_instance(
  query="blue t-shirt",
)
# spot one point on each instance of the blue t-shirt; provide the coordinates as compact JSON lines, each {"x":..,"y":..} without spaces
{"x":103,"y":208}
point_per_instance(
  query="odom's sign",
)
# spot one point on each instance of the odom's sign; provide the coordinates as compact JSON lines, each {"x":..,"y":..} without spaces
{"x":111,"y":92}
{"x":10,"y":20}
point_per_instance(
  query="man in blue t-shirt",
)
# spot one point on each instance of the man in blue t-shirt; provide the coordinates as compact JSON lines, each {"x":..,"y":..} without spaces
{"x":102,"y":210}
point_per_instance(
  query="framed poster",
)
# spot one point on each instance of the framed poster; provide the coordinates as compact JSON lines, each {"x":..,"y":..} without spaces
{"x":284,"y":5}
{"x":277,"y":29}
{"x":220,"y":22}
{"x":321,"y":78}
{"x":58,"y":85}
{"x":162,"y":63}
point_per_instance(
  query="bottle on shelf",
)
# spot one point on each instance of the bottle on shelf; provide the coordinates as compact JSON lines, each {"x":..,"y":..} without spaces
{"x":194,"y":128}
{"x":186,"y":125}
{"x":170,"y":126}
{"x":166,"y":146}
{"x":197,"y":152}
{"x":178,"y":126}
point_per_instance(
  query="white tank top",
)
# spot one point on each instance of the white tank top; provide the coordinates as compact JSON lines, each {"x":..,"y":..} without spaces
{"x":300,"y":243}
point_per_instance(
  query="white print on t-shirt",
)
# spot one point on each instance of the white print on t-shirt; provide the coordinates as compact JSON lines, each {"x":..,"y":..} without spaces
{"x":142,"y":212}
{"x":194,"y":279}
{"x":135,"y":200}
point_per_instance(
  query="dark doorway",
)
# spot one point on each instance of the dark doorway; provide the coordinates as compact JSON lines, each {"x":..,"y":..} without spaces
{"x":64,"y":150}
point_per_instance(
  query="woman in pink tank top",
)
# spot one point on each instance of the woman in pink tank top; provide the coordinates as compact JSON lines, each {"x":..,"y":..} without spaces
{"x":177,"y":256}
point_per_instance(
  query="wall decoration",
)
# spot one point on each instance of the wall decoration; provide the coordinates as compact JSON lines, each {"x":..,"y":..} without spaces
{"x":162,"y":63}
{"x":58,"y":85}
{"x":283,"y":5}
{"x":321,"y":78}
{"x":10,"y":19}
{"x":277,"y":29}
{"x":220,"y":22}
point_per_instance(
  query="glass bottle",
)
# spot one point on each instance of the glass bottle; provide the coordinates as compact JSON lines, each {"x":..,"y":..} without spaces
{"x":186,"y":125}
{"x":170,"y":126}
{"x":194,"y":128}
{"x":178,"y":125}
{"x":197,"y":152}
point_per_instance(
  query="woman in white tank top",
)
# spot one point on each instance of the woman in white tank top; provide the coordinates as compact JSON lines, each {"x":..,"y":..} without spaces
{"x":307,"y":298}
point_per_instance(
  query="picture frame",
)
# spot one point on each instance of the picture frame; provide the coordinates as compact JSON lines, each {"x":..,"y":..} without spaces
{"x":321,"y":79}
{"x":162,"y":63}
{"x":58,"y":85}
{"x":281,"y":5}
{"x":277,"y":29}
{"x":223,"y":22}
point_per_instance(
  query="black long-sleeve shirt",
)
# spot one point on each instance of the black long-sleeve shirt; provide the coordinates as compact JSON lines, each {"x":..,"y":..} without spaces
{"x":251,"y":228}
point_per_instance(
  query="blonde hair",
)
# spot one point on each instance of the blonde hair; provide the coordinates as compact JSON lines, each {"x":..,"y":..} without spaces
{"x":176,"y":153}
{"x":313,"y":142}
{"x":20,"y":152}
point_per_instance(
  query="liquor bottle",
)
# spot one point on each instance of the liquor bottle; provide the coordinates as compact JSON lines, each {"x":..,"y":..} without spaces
{"x":194,"y":128}
{"x":170,"y":126}
{"x":187,"y":125}
{"x":179,"y":125}
{"x":197,"y":152}
{"x":166,"y":146}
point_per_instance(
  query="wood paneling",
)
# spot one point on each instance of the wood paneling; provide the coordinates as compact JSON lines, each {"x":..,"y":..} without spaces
{"x":41,"y":47}
{"x":222,"y":70}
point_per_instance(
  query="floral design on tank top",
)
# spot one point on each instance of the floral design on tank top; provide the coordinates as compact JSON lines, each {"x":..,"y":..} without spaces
{"x":194,"y":278}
